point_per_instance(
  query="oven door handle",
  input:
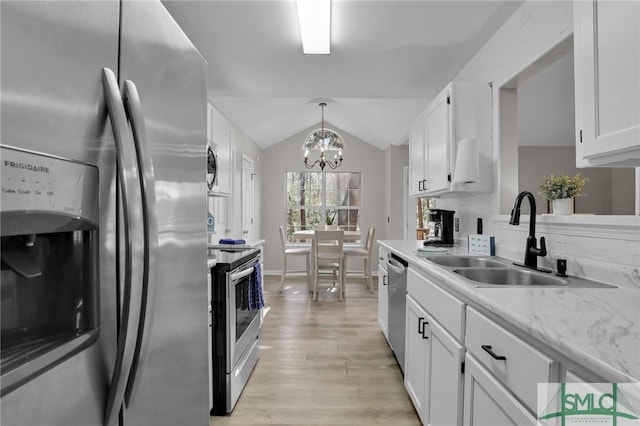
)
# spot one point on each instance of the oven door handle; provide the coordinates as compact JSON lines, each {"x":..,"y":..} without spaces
{"x":239,"y":275}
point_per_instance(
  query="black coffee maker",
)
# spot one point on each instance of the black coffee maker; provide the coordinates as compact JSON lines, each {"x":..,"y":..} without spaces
{"x":441,"y":222}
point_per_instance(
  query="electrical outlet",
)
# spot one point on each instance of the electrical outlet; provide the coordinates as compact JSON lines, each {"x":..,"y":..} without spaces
{"x":456,"y":224}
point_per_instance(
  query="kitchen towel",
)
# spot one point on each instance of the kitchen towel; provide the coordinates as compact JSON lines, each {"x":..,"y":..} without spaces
{"x":256,"y":295}
{"x":230,"y":241}
{"x":426,"y":251}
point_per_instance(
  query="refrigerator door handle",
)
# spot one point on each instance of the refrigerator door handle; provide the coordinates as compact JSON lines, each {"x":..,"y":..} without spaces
{"x":129,"y":185}
{"x":133,"y":108}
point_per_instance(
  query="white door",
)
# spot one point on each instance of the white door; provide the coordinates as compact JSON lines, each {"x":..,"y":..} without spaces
{"x":487,"y":402}
{"x":417,"y":159}
{"x":445,"y":377}
{"x":417,"y":357}
{"x":438,"y":139}
{"x":383,"y":299}
{"x":247,"y":198}
{"x":607,"y":61}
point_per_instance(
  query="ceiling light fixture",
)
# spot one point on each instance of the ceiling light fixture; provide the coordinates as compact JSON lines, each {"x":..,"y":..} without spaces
{"x":324,"y":140}
{"x":314,"y":17}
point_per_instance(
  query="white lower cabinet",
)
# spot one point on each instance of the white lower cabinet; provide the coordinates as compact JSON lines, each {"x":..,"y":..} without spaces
{"x":515,"y":363}
{"x":489,"y":403}
{"x":446,"y":379}
{"x":416,"y":357}
{"x":462,"y":367}
{"x":383,"y":299}
{"x":433,"y":360}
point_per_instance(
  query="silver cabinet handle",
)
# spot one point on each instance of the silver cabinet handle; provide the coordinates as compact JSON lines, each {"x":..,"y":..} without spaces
{"x":133,"y":108}
{"x":128,"y":179}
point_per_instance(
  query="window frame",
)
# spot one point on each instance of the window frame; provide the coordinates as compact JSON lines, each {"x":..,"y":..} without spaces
{"x":324,"y":205}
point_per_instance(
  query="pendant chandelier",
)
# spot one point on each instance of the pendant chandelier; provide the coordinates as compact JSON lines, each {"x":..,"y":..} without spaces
{"x":323,"y":140}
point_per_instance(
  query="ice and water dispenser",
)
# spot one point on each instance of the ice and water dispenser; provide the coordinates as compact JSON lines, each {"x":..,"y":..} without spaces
{"x":49,"y":275}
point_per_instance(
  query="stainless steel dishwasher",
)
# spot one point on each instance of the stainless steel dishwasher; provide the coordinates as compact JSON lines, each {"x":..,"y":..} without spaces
{"x":397,"y":288}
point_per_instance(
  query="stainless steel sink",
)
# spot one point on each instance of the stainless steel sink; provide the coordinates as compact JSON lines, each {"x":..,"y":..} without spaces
{"x":510,"y":277}
{"x":465,"y":261}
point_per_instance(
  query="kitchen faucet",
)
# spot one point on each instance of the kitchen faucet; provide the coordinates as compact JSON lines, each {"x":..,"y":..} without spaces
{"x":531,"y":251}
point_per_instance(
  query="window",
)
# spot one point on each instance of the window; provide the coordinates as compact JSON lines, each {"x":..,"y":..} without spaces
{"x":422,"y":216}
{"x":317,"y":198}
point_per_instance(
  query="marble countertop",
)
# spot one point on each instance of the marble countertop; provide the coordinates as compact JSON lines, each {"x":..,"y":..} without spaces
{"x":598,"y":328}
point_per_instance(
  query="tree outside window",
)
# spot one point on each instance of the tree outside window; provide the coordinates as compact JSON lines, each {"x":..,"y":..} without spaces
{"x":422,"y":216}
{"x":313,"y":199}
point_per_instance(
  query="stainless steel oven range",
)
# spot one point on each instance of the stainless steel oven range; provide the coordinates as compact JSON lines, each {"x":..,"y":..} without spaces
{"x":235,"y":326}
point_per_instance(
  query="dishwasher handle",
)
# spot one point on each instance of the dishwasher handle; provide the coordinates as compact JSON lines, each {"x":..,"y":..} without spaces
{"x":395,"y":266}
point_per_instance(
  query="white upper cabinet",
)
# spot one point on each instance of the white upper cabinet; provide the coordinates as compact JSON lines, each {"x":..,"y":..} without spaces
{"x":417,"y":160}
{"x":607,"y":78}
{"x":459,"y":111}
{"x":219,"y":138}
{"x":438,"y":129}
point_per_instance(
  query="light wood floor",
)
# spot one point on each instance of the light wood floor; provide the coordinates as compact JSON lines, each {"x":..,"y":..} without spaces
{"x":324,"y":362}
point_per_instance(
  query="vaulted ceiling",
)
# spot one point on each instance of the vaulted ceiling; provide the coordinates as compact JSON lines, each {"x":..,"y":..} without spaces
{"x":388,"y":59}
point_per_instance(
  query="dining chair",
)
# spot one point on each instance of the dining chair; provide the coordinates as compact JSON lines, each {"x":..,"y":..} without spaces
{"x":364,"y":253}
{"x":328,"y":259}
{"x":298,"y":251}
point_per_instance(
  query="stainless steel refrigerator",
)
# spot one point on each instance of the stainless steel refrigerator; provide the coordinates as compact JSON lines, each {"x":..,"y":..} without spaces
{"x":117,"y":85}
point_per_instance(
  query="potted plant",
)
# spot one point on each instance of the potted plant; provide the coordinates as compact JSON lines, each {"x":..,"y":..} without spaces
{"x":561,"y":190}
{"x":329,"y":217}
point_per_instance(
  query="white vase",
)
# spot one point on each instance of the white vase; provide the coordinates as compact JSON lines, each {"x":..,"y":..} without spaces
{"x":562,"y":206}
{"x":331,"y":227}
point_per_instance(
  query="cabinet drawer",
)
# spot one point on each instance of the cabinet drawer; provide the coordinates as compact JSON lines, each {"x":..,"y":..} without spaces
{"x":523,"y":366}
{"x":442,"y":306}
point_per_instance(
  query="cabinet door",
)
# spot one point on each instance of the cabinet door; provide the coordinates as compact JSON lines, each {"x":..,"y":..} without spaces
{"x":383,"y":300}
{"x":218,"y":207}
{"x":487,"y":402}
{"x":416,"y":360}
{"x":438,"y":140}
{"x":417,"y":176}
{"x":445,"y":377}
{"x":607,"y":64}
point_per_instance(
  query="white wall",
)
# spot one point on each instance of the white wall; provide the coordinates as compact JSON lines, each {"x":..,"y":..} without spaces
{"x":532,"y":30}
{"x":546,"y":95}
{"x":359,"y":156}
{"x":396,"y":158}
